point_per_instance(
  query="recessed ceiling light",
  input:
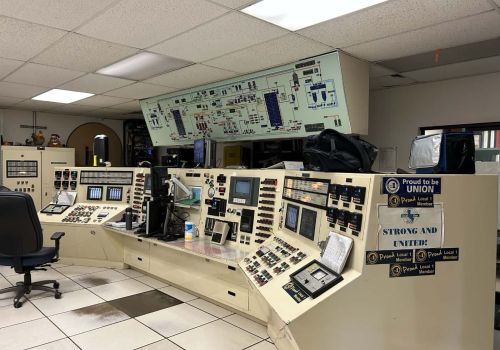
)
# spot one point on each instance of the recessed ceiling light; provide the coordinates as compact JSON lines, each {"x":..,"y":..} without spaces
{"x":298,"y":14}
{"x":62,"y":96}
{"x":143,"y":65}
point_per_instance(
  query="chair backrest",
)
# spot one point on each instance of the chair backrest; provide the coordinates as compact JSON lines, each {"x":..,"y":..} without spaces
{"x":20,"y":229}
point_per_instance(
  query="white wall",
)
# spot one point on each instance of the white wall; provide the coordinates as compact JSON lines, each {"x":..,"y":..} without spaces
{"x":397,"y":113}
{"x":63,"y":125}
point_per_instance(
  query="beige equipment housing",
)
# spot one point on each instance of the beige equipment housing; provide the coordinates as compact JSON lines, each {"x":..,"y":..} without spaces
{"x":31,"y":170}
{"x":419,"y":276}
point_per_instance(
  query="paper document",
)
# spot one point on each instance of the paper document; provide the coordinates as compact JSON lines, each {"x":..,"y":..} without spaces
{"x":66,"y":198}
{"x":336,"y":251}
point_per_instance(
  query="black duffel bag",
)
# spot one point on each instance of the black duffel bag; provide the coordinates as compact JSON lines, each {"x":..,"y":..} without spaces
{"x":332,"y":151}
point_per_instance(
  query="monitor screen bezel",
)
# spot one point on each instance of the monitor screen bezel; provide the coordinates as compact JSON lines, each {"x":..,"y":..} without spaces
{"x":305,"y":213}
{"x":108,"y":190}
{"x":243,"y":194}
{"x":297,"y":208}
{"x":89,"y":189}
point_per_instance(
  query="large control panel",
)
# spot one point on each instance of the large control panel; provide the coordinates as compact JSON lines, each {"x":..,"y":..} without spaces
{"x":99,"y":195}
{"x":293,"y":100}
{"x":31,"y":170}
{"x":249,"y":204}
{"x":312,"y":250}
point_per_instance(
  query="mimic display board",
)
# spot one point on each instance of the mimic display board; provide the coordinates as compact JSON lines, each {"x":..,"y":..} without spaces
{"x":295,"y":100}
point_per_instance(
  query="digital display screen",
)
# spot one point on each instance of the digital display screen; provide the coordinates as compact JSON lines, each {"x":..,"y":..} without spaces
{"x":147,"y":184}
{"x":292,"y":217}
{"x":242,"y":187}
{"x":318,"y":274}
{"x":308,"y":223}
{"x":196,"y":191}
{"x":94,"y":193}
{"x":199,"y":151}
{"x":114,"y":193}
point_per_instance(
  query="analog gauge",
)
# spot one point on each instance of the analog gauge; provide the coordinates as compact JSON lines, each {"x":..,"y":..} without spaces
{"x":211,"y":192}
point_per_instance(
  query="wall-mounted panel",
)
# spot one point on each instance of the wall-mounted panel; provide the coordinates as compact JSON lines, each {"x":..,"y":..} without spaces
{"x":294,"y":100}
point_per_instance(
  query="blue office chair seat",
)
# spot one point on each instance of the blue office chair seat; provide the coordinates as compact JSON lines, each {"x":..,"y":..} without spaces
{"x":21,"y":240}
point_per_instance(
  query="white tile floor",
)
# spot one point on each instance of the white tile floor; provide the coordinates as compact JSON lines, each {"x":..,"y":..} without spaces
{"x":84,"y":319}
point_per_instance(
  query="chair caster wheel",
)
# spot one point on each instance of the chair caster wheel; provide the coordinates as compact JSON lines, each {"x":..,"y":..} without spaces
{"x":58,"y":295}
{"x":56,"y":285}
{"x":18,"y":304}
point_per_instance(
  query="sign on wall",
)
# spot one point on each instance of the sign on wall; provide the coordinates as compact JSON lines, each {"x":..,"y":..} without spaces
{"x":410,"y":228}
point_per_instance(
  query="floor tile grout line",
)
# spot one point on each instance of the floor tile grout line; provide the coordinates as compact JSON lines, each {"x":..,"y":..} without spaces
{"x":260,"y":342}
{"x":48,"y":319}
{"x":78,"y":290}
{"x":187,"y":330}
{"x":219,"y":317}
{"x":159,"y":342}
{"x":34,"y":347}
{"x":23,"y":322}
{"x":135,"y":318}
{"x":246,"y":330}
{"x":95,"y":329}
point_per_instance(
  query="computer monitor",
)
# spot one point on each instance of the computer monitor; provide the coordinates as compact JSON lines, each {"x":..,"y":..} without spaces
{"x":159,"y":185}
{"x":292,"y":217}
{"x":199,"y":152}
{"x":114,"y":193}
{"x":308,"y":223}
{"x":94,"y":193}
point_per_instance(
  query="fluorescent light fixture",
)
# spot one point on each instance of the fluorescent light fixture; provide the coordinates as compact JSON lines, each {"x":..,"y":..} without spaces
{"x":62,"y":96}
{"x":298,"y":14}
{"x":143,"y":65}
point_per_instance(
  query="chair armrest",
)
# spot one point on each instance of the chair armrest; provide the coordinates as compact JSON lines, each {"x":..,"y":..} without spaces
{"x":56,"y":236}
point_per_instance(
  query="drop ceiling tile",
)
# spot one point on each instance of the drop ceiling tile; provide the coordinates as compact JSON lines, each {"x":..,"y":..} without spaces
{"x":194,"y":75}
{"x":7,"y":66}
{"x":66,"y":14}
{"x":390,"y":18}
{"x":131,"y":106}
{"x":106,"y":113}
{"x":9,"y":101}
{"x":272,"y":53}
{"x":79,"y":52}
{"x":71,"y":108}
{"x":20,"y":90}
{"x":96,"y":83}
{"x":376,"y":70}
{"x":102,"y":101}
{"x":228,"y":33}
{"x":34,"y":105}
{"x":141,"y":24}
{"x":139,"y":90}
{"x":41,"y":75}
{"x":390,"y":81}
{"x":456,"y":70}
{"x":22,"y":40}
{"x":111,"y":111}
{"x":467,"y":30}
{"x":236,"y":4}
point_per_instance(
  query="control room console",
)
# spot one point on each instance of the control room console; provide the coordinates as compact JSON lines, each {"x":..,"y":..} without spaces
{"x":295,"y":248}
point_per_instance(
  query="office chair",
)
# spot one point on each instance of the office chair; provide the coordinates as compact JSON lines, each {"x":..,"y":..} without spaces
{"x":21,"y":242}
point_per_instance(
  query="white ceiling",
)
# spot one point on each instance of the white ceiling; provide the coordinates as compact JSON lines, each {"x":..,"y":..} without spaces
{"x":51,"y":43}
